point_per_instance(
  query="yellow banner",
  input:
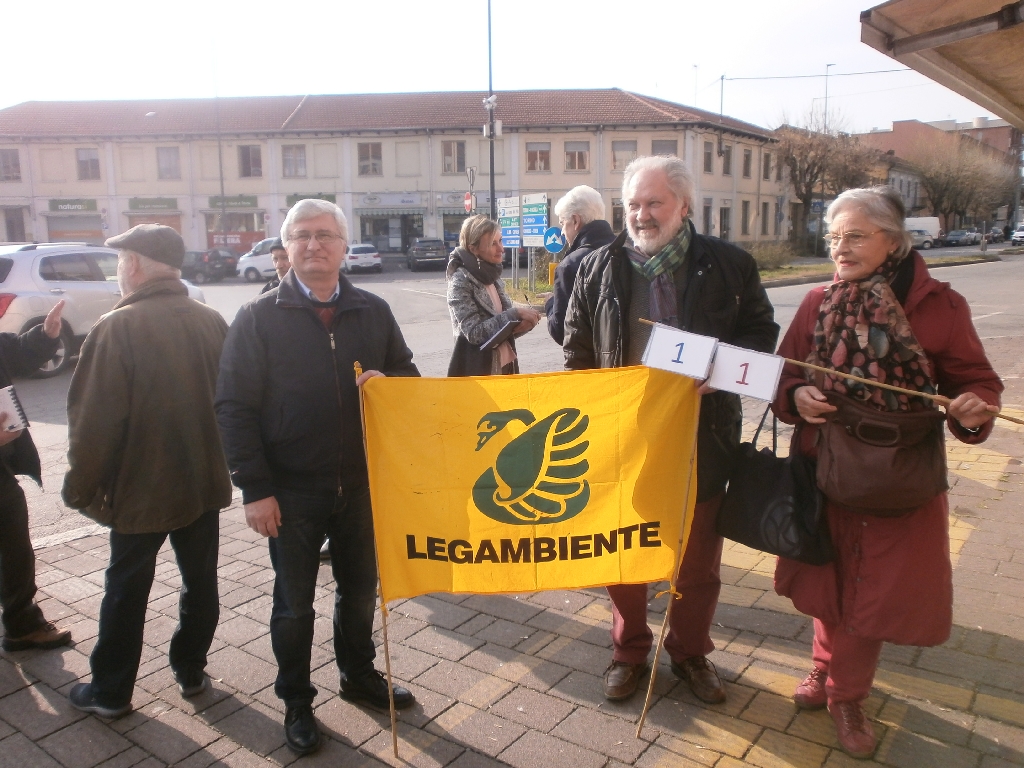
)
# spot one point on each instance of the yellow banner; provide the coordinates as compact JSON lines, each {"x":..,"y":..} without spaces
{"x":525,"y":483}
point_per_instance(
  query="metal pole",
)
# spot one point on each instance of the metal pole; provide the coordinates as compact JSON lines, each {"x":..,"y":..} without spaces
{"x":818,"y":241}
{"x":696,"y":73}
{"x":490,"y":111}
{"x":220,"y":166}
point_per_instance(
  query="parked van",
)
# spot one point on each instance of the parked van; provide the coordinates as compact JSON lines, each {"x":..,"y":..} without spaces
{"x":929,"y":224}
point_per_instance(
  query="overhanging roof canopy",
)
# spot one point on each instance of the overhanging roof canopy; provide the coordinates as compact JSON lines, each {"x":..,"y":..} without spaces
{"x":974,"y":47}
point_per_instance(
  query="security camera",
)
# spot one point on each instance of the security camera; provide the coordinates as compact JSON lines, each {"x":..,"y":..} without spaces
{"x":490,"y":102}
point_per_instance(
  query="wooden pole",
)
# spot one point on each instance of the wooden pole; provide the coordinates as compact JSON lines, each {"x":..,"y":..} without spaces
{"x":380,"y":591}
{"x":673,"y":595}
{"x":944,"y":401}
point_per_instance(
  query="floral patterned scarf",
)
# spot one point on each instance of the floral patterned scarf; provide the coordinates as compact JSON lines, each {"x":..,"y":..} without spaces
{"x":862,"y":330}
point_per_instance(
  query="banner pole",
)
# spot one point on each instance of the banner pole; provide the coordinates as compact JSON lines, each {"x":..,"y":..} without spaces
{"x":671,"y":591}
{"x":839,"y":375}
{"x":380,"y":589}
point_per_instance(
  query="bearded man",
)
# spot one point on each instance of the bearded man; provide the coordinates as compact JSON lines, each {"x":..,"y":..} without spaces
{"x":660,"y":269}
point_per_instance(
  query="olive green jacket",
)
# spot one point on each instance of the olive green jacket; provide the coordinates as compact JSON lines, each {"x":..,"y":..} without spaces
{"x":144,"y":450}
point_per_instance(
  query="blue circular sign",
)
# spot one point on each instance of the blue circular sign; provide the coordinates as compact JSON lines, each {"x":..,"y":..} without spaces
{"x":553,"y":241}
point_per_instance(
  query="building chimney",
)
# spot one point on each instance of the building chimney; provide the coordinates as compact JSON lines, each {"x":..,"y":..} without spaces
{"x":980,"y":122}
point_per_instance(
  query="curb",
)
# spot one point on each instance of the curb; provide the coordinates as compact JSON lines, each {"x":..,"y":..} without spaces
{"x":824,"y":278}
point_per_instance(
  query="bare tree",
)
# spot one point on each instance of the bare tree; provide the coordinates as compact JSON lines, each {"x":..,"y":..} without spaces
{"x":850,"y":164}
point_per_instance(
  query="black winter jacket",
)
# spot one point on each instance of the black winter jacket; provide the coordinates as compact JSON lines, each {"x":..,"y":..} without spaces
{"x":20,"y":355}
{"x":591,"y":236}
{"x":723,"y":297}
{"x":287,"y":402}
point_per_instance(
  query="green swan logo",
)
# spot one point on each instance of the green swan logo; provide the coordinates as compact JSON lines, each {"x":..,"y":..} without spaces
{"x":538,"y":477}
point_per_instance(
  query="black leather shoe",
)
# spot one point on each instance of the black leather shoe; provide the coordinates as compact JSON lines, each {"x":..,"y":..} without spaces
{"x":372,"y":689}
{"x":301,"y":731}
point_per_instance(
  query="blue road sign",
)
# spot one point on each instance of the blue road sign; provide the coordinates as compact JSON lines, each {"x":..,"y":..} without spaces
{"x":553,"y":240}
{"x":535,"y":221}
{"x":511,"y":242}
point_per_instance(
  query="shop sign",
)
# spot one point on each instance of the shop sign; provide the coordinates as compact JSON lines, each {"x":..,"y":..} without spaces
{"x":152,"y":204}
{"x":293,"y":199}
{"x":233,"y":201}
{"x":392,"y":199}
{"x":73,"y":206}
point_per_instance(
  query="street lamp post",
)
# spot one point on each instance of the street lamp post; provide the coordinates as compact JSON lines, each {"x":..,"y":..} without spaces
{"x":490,"y":104}
{"x":819,"y":240}
{"x":220,"y":167}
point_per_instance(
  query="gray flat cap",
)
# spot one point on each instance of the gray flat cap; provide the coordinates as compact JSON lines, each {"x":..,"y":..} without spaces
{"x":158,"y":242}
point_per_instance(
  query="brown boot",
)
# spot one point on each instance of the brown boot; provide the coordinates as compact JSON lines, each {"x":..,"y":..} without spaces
{"x":856,"y":736}
{"x":621,"y":680}
{"x":702,"y":678}
{"x":46,"y":636}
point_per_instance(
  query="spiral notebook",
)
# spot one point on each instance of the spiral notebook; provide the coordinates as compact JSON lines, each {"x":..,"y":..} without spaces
{"x":11,"y":405}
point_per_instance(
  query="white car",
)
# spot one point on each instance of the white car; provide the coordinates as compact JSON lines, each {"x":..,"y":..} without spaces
{"x":258,"y":267}
{"x":361,"y":256}
{"x":1017,"y":238}
{"x":34,"y":277}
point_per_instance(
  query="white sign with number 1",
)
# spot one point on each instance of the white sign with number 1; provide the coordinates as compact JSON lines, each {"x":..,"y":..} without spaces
{"x":746,"y":372}
{"x":679,"y":352}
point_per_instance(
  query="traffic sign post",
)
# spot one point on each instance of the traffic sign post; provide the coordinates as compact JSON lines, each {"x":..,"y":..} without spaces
{"x":553,"y":240}
{"x":508,"y":220}
{"x":535,"y":219}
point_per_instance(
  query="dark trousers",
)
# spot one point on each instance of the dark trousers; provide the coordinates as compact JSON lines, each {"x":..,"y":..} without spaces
{"x":698,"y":582}
{"x":21,"y":615}
{"x":295,"y":554}
{"x":129,"y":577}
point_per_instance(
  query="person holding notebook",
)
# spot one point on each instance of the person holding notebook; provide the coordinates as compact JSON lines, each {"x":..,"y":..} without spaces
{"x":483,"y":318}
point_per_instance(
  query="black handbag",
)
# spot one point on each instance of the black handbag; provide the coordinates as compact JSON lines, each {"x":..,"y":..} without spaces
{"x":773,"y":504}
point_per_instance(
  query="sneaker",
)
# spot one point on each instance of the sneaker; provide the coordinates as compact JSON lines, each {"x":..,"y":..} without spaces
{"x":856,"y":736}
{"x":372,"y":689}
{"x":191,"y":682}
{"x":83,"y":698}
{"x":702,"y":677}
{"x":810,"y":694}
{"x":47,"y":636}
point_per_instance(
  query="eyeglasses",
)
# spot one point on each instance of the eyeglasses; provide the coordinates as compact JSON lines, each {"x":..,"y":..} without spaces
{"x":324,"y":238}
{"x":853,"y":239}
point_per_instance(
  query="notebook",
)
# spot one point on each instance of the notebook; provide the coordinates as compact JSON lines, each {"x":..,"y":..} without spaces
{"x":11,"y":405}
{"x":502,"y":335}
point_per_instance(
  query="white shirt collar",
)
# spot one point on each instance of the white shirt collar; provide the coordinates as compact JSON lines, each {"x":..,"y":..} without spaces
{"x":309,"y":293}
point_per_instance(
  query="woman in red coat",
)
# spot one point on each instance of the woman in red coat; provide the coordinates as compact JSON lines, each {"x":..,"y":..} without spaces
{"x":884,"y":318}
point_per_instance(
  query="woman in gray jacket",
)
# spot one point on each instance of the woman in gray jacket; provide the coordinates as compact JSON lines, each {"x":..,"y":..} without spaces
{"x":479,"y":305}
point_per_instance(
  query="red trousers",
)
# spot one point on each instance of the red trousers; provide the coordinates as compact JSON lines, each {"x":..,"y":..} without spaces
{"x":699,"y":583}
{"x":850,"y":661}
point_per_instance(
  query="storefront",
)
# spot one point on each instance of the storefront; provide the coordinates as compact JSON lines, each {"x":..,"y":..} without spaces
{"x":14,"y":224}
{"x":154,"y":210}
{"x":235,"y":223}
{"x":79,"y":220}
{"x":391,"y":222}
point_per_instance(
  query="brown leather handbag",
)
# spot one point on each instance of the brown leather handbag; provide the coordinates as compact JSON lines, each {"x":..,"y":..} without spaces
{"x":880,"y":463}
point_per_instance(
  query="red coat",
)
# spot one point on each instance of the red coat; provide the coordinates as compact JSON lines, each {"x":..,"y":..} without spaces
{"x":892,"y":579}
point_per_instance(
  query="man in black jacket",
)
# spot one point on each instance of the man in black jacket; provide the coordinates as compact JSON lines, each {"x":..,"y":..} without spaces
{"x":24,"y":624}
{"x":581,"y":216}
{"x":665,"y":271}
{"x":288,"y":407}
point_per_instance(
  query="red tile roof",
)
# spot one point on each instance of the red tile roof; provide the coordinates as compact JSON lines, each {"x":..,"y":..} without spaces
{"x":350,"y":112}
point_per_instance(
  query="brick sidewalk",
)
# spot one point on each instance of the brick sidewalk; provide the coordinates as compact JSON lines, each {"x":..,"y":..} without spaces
{"x":516,"y":680}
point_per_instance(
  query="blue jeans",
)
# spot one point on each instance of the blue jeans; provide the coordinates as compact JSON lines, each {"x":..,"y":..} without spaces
{"x":295,"y":554}
{"x":129,"y":577}
{"x":21,"y":615}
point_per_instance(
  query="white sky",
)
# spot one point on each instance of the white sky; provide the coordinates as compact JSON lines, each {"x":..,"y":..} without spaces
{"x":69,"y":50}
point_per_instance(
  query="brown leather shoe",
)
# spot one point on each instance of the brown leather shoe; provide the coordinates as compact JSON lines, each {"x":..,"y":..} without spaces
{"x":810,"y":694}
{"x":702,"y":677}
{"x":856,"y":736}
{"x":621,"y":680}
{"x":47,"y":636}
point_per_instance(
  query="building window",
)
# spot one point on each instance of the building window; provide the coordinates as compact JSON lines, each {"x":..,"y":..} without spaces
{"x":767,"y":172}
{"x":453,"y":157}
{"x":168,"y":163}
{"x":623,"y":153}
{"x":250,"y":162}
{"x":778,"y":219}
{"x":709,"y":224}
{"x":745,"y":217}
{"x":778,"y":171}
{"x":293,"y":161}
{"x":727,"y":160}
{"x":764,"y":218}
{"x":538,"y":156}
{"x":10,"y":165}
{"x":370,"y":162}
{"x":709,"y":157}
{"x":724,"y":222}
{"x":88,"y":164}
{"x":577,"y":155}
{"x":748,"y":162}
{"x":665,"y":147}
{"x":618,"y":216}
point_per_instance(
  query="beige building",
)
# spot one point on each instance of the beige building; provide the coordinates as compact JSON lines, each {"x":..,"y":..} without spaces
{"x":229,"y":169}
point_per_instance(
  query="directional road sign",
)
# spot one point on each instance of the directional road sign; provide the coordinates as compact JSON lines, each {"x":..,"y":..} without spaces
{"x":508,"y":220}
{"x":535,"y":219}
{"x":553,"y":240}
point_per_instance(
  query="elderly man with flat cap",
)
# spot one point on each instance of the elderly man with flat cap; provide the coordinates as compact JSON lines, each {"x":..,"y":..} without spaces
{"x":145,"y":458}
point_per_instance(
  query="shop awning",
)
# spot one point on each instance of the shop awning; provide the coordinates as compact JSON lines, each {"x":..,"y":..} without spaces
{"x":460,"y":211}
{"x":973,"y":47}
{"x":391,"y":211}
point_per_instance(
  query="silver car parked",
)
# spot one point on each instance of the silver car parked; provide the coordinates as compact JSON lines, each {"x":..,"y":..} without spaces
{"x":34,"y":277}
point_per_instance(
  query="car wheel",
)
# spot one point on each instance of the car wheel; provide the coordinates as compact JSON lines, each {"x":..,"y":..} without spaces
{"x":926,"y":245}
{"x":414,"y":265}
{"x":252,"y":275}
{"x":199,"y":278}
{"x":61,"y":359}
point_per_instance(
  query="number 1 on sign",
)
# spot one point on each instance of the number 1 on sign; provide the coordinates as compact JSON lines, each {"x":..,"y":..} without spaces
{"x":743,"y":379}
{"x":679,"y":354}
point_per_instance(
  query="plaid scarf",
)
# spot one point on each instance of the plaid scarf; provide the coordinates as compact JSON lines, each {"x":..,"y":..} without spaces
{"x":658,"y":269}
{"x":862,"y":330}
